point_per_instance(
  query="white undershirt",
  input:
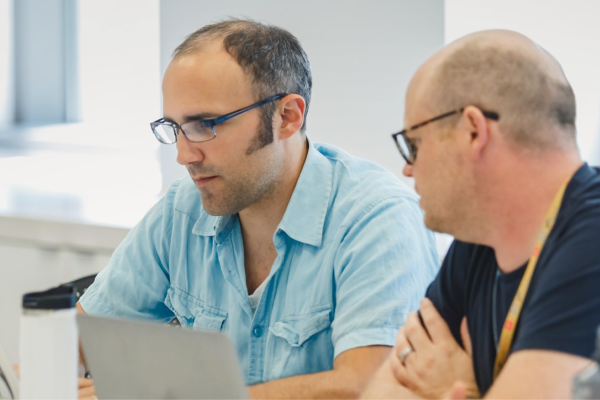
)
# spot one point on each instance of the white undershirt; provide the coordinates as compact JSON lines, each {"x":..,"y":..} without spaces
{"x":255,"y":297}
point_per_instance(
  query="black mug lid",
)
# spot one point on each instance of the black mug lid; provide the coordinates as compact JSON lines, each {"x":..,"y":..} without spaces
{"x":62,"y":297}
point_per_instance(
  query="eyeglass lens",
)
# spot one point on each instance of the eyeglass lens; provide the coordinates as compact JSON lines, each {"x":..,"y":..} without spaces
{"x":195,"y":131}
{"x":407,"y":148}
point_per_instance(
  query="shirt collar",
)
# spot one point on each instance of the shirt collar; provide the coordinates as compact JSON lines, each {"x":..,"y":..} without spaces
{"x":210,"y":225}
{"x":304,"y":216}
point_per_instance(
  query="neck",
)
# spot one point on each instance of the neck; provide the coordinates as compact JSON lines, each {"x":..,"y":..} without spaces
{"x":518,"y":207}
{"x":260,"y":220}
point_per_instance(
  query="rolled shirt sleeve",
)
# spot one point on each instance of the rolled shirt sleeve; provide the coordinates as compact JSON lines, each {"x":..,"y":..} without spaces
{"x":383,"y":267}
{"x":136,"y":280}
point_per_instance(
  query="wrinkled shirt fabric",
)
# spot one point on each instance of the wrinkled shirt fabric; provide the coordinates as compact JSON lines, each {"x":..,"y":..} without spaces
{"x":353,"y":259}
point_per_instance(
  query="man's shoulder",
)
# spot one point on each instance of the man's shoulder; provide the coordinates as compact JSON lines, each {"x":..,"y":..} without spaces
{"x":360,"y":180}
{"x":583,"y":192}
{"x":578,"y":223}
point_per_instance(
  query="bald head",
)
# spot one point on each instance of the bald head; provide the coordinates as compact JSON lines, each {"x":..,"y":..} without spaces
{"x":508,"y":73}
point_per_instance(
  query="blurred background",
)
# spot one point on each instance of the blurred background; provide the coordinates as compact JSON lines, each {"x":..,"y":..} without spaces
{"x":80,"y":83}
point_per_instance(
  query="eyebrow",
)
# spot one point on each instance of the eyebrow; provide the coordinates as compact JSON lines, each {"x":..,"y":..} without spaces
{"x":194,"y":117}
{"x":200,"y":116}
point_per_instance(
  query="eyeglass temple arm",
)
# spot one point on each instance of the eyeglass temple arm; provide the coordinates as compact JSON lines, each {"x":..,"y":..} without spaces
{"x":223,"y":118}
{"x":488,"y":114}
{"x":491,"y":115}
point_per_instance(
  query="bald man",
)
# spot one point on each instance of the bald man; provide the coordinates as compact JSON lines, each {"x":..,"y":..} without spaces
{"x":492,"y":148}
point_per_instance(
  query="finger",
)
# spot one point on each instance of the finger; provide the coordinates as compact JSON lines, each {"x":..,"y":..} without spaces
{"x":401,"y":338}
{"x":415,"y":333}
{"x":435,"y":324}
{"x":17,"y":370}
{"x":401,"y":342}
{"x":466,"y":337}
{"x":399,"y":370}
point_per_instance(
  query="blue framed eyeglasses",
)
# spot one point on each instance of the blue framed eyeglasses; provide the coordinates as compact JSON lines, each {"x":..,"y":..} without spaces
{"x":200,"y":130}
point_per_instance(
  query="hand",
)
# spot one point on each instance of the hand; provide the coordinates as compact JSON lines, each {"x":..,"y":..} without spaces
{"x":437,"y":361}
{"x":384,"y":385}
{"x":86,"y":389}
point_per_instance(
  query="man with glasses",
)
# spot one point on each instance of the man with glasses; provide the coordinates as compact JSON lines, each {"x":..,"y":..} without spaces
{"x":514,"y":309}
{"x":308,"y":258}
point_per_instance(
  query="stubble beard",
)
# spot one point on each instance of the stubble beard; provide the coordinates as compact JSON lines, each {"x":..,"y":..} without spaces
{"x":247,"y":187}
{"x":451,"y":210}
{"x":238,"y":193}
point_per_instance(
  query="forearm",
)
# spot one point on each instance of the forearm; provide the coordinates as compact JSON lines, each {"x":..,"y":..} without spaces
{"x":384,"y":385}
{"x":352,"y":369}
{"x":329,"y":384}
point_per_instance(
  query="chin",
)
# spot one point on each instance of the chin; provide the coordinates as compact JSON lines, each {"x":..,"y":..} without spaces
{"x":436,"y":224}
{"x":215,"y":212}
{"x":213,"y":206}
{"x":217,"y":206}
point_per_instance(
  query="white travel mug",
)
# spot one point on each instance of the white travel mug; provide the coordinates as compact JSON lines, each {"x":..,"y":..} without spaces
{"x":49,"y":345}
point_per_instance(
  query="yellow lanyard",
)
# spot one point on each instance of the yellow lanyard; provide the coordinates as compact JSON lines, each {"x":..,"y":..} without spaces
{"x":514,"y":312}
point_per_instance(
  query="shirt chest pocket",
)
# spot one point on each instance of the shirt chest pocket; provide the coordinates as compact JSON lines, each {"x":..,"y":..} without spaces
{"x":296,"y":330}
{"x":300,"y":344}
{"x":194,"y":313}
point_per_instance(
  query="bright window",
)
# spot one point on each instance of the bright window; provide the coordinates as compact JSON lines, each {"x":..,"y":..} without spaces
{"x":104,"y":167}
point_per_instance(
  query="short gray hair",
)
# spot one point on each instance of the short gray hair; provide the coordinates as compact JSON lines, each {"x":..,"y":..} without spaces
{"x":271,"y":56}
{"x":527,"y":96}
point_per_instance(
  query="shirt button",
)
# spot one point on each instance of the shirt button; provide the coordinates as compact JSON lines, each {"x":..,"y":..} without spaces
{"x":257,"y":331}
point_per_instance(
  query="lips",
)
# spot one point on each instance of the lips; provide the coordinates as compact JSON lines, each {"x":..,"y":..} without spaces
{"x":204,"y":180}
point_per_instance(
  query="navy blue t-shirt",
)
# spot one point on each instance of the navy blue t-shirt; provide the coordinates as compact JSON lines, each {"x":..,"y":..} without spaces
{"x":562,"y":308}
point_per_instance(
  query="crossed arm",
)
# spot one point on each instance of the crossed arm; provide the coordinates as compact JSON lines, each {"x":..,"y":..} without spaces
{"x":440,"y":368}
{"x":352,"y":370}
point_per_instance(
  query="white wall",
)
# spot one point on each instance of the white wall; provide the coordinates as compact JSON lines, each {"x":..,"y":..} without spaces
{"x":362,"y":53}
{"x":118,"y":63}
{"x":569,"y":30}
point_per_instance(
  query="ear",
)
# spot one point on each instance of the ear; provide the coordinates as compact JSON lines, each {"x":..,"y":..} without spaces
{"x":476,"y":125}
{"x":291,"y":115}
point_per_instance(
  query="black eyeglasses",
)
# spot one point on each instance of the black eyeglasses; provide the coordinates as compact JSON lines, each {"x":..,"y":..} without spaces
{"x":408,"y":148}
{"x":200,"y":130}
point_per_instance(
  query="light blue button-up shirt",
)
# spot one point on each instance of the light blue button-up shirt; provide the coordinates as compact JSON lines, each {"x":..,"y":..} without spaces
{"x":353,"y":259}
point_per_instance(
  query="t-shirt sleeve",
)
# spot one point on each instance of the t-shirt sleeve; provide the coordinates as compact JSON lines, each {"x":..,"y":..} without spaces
{"x":447,"y":291}
{"x":563,"y":312}
{"x":135,"y":282}
{"x":383,"y":266}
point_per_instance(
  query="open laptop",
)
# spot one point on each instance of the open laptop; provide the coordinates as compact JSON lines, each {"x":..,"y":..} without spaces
{"x":140,"y":360}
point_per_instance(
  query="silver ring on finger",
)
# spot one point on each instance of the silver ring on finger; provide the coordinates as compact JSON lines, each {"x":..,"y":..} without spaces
{"x":405,"y":354}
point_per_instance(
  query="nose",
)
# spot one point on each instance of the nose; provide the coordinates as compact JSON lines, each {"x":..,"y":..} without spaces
{"x":407,"y":170}
{"x":188,"y":152}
